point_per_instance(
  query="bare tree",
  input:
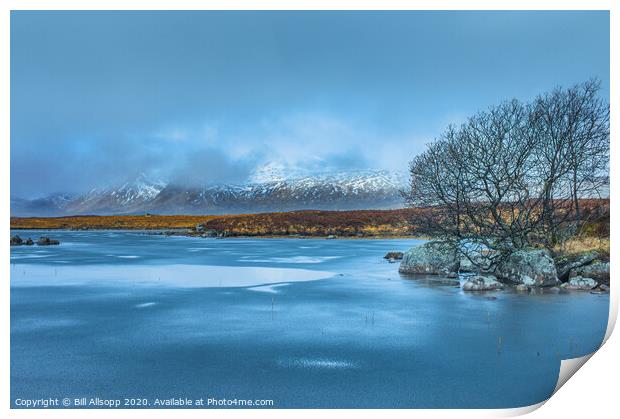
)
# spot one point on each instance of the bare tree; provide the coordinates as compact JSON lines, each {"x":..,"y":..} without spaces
{"x":514,"y":176}
{"x":573,"y":155}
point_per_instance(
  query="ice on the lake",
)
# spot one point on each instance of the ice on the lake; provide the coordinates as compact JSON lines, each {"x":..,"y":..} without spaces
{"x":317,"y":363}
{"x":271,"y":289}
{"x":144,"y":305}
{"x":292,"y":259}
{"x":175,"y":275}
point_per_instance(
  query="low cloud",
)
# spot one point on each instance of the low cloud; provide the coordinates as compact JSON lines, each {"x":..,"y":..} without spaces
{"x":204,"y":154}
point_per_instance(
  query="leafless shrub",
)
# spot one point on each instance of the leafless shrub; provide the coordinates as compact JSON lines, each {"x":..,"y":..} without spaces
{"x":515,"y":176}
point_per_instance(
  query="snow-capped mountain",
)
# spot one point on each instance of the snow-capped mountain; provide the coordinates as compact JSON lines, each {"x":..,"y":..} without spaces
{"x":130,"y":197}
{"x":269,"y":189}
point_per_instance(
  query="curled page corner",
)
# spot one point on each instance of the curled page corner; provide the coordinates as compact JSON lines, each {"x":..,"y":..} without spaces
{"x":613,"y":314}
{"x":519,"y":411}
{"x":568,"y":367}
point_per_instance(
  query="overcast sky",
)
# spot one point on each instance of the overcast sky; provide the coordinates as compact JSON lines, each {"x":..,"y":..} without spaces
{"x":207,"y":97}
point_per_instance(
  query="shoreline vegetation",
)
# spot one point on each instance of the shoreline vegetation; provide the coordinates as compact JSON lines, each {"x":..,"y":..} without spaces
{"x":366,"y":224}
{"x":393,"y":223}
{"x":397,"y":223}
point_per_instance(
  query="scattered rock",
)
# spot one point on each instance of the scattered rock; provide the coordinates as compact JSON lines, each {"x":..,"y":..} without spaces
{"x":533,"y":268}
{"x":601,"y":289}
{"x":331,"y":236}
{"x":522,"y":288}
{"x":482,"y":283}
{"x":579,"y":283}
{"x":18,"y":241}
{"x":564,"y":264}
{"x":46,"y":241}
{"x":431,"y":258}
{"x":598,"y":271}
{"x":452,"y":275}
{"x":393,"y":255}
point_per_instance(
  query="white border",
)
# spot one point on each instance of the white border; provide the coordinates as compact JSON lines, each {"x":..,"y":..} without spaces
{"x":577,"y":397}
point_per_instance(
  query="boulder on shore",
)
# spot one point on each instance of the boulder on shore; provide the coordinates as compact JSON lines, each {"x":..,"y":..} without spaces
{"x":579,"y":283}
{"x":534,"y":268}
{"x":482,"y":283}
{"x":564,"y":264}
{"x":598,"y":271}
{"x":431,"y":258}
{"x":601,"y":289}
{"x":465,"y":265}
{"x":393,"y":255}
{"x":46,"y":241}
{"x":474,"y":257}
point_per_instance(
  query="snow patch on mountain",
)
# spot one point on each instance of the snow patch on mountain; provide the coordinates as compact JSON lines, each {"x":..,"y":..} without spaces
{"x":271,"y":188}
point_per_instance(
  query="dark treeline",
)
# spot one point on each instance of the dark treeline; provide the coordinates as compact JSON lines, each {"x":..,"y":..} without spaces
{"x":515,"y":176}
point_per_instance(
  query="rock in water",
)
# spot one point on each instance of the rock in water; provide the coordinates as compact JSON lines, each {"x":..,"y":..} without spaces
{"x":16,"y":240}
{"x":598,"y":271}
{"x":46,"y":241}
{"x":28,"y":242}
{"x":533,"y":268}
{"x":482,"y":283}
{"x":522,"y":288}
{"x":431,"y":258}
{"x":579,"y":283}
{"x":564,"y":264}
{"x":393,"y":255}
{"x":604,"y":287}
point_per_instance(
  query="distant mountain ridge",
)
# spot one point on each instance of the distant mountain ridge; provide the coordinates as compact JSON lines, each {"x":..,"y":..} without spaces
{"x":267,"y":191}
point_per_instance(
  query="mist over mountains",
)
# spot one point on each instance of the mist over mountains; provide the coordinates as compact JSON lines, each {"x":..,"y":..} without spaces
{"x":269,"y":189}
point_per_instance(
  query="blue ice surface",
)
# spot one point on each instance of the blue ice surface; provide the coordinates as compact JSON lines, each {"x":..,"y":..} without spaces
{"x":304,"y":322}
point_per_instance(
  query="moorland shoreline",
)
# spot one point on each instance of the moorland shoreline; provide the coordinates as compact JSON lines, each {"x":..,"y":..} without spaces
{"x":398,"y":223}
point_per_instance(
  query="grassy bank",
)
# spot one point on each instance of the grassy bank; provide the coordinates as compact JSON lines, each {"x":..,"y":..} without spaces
{"x":364,"y":223}
{"x":583,"y":244}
